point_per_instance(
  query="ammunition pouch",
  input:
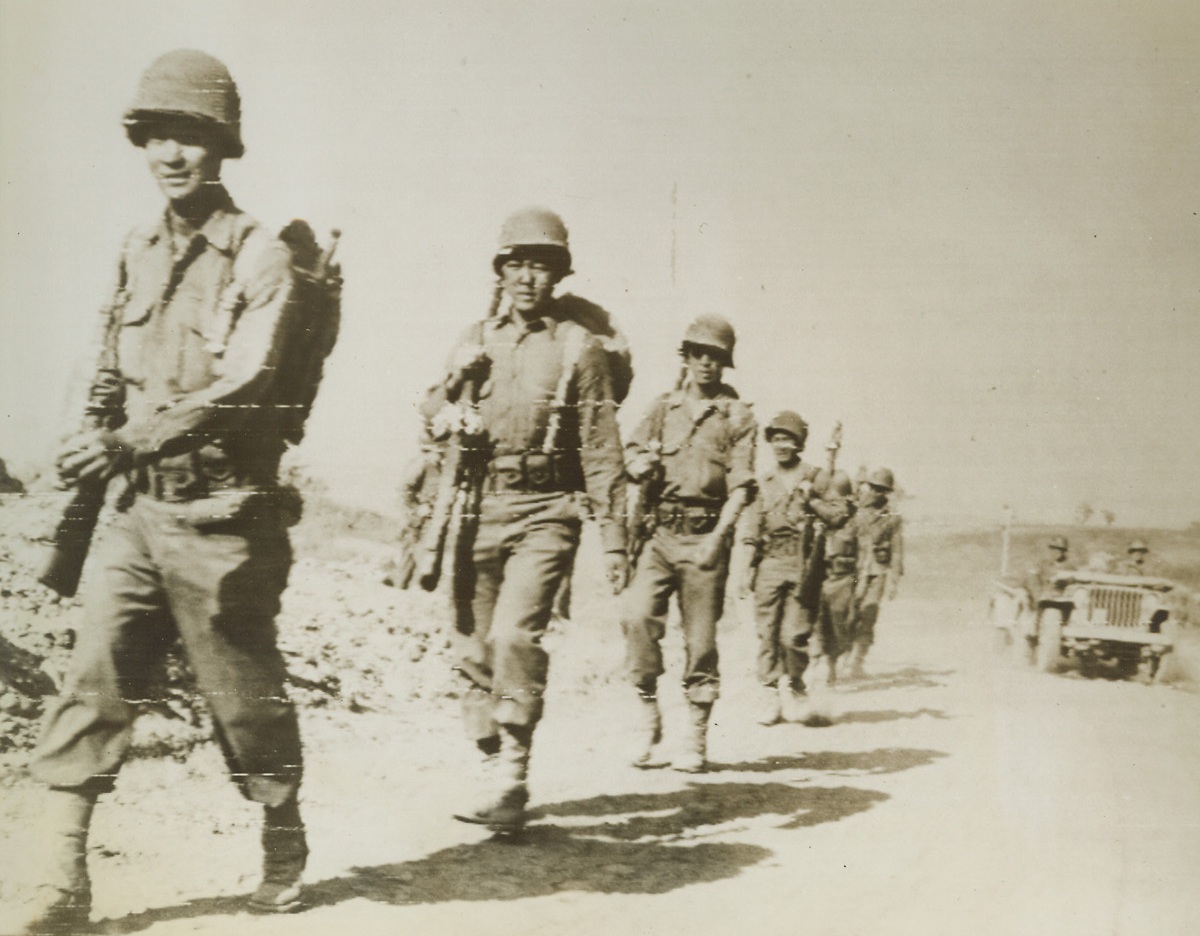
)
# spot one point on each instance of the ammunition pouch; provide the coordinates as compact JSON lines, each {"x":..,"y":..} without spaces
{"x":783,"y":543}
{"x":526,"y":472}
{"x":203,"y":504}
{"x":792,"y":541}
{"x":842,"y":565}
{"x":231,"y":509}
{"x":173,"y":485}
{"x":691,"y":520}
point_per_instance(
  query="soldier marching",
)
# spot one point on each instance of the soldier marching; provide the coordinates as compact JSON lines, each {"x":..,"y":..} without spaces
{"x":695,"y":448}
{"x":204,"y":374}
{"x":537,"y":389}
{"x":879,"y":530}
{"x":786,"y":532}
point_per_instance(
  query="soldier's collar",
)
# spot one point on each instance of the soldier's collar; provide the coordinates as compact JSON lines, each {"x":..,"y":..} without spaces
{"x":220,"y":229}
{"x":525,"y":326}
{"x":724,"y":396}
{"x":802,"y":470}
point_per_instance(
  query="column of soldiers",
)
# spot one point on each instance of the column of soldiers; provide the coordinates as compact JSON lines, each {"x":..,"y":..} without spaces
{"x":206,"y":361}
{"x":539,"y":381}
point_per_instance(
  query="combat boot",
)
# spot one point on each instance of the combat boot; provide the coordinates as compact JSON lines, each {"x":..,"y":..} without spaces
{"x":818,"y":712}
{"x":285,"y":853}
{"x":62,"y":900}
{"x":854,"y":663}
{"x":830,"y":673}
{"x":504,"y":810}
{"x":794,"y":701}
{"x":693,"y":757}
{"x":648,"y":734}
{"x":769,"y":705}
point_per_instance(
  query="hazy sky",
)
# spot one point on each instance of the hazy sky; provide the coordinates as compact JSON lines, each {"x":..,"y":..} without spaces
{"x":967,"y":230}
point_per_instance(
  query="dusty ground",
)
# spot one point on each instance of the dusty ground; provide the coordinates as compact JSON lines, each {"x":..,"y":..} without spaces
{"x":955,"y":793}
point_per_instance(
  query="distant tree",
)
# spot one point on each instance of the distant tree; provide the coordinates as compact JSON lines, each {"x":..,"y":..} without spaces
{"x":1084,"y":512}
{"x":1109,"y":517}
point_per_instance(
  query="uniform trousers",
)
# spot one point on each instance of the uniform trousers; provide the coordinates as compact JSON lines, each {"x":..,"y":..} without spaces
{"x":784,"y":624}
{"x":156,"y":577}
{"x":834,"y":634}
{"x":524,"y":548}
{"x":667,"y":567}
{"x":868,"y":610}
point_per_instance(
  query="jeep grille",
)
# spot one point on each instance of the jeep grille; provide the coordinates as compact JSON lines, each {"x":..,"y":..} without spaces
{"x":1116,"y":607}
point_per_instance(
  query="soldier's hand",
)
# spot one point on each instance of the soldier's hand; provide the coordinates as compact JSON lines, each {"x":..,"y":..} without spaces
{"x":640,"y":467}
{"x":466,"y":361}
{"x":616,"y":570}
{"x":708,"y":551}
{"x":892,"y":588}
{"x":95,"y":455}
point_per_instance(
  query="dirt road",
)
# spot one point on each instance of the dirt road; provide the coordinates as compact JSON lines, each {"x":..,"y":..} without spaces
{"x":953,"y":795}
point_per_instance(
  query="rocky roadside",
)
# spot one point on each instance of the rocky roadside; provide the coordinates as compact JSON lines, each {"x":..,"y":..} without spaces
{"x":352,"y":644}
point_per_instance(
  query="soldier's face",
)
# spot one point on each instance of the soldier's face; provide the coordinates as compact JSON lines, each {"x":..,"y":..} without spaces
{"x":183,"y":160}
{"x":873,"y":495}
{"x":528,"y":283}
{"x":785,"y":448}
{"x":704,"y":366}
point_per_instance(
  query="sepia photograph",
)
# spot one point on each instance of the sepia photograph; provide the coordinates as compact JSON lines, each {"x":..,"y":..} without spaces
{"x":533,"y":468}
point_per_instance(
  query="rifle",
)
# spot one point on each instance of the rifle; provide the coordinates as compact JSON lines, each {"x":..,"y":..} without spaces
{"x":72,"y":536}
{"x":834,"y":446}
{"x":814,"y":546}
{"x":453,"y":521}
{"x":648,"y":492}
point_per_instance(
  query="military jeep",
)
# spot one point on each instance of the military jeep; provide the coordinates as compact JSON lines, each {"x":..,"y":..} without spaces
{"x":1103,"y":621}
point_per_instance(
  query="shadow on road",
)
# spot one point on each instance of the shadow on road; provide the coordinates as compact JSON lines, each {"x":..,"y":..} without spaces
{"x":842,"y":763}
{"x":910,"y":677}
{"x":886,"y":715}
{"x":638,"y":843}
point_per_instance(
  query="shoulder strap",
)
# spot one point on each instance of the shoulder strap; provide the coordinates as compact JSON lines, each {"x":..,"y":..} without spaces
{"x":572,"y":352}
{"x":232,"y":301}
{"x":660,"y":420}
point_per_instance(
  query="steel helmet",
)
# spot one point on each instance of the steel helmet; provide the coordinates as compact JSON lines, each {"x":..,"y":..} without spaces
{"x":536,"y":232}
{"x":711,"y":331}
{"x":1058,"y":542}
{"x":789,"y":422}
{"x":841,"y":485}
{"x":191,"y":84}
{"x":882,"y":478}
{"x":1138,"y":545}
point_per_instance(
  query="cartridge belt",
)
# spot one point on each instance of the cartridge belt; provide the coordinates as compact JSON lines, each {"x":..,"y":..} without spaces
{"x":187,"y":482}
{"x":526,"y":472}
{"x":684,"y":518}
{"x":785,"y":543}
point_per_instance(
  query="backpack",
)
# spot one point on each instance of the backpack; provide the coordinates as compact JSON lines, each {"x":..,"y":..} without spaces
{"x":599,"y":322}
{"x":318,"y":304}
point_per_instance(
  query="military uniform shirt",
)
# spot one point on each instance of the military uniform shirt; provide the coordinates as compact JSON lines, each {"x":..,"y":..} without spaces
{"x":196,"y":335}
{"x":779,"y":507}
{"x":707,"y":445}
{"x":516,"y":402}
{"x":880,"y":542}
